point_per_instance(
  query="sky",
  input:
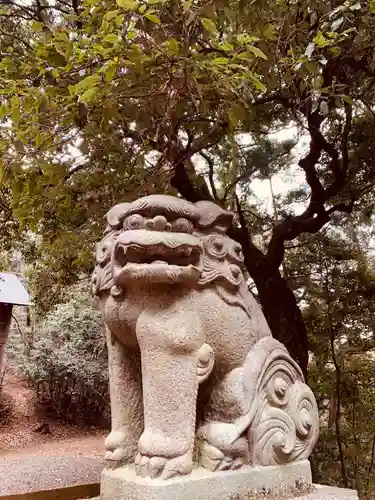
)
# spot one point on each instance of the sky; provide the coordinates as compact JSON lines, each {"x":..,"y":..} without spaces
{"x":292,"y":178}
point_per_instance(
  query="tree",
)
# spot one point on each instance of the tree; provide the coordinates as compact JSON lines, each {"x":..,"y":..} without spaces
{"x":333,"y":277}
{"x":144,"y":88}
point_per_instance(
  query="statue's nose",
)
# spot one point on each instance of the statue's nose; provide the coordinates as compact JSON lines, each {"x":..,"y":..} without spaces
{"x":158,"y":223}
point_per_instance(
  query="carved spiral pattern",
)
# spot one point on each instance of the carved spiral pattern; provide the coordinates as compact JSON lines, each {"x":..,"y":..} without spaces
{"x":286,"y":426}
{"x":205,"y":362}
{"x":102,"y":276}
{"x":102,"y":279}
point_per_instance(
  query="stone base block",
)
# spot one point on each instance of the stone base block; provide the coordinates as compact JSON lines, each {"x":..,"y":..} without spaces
{"x":201,"y":484}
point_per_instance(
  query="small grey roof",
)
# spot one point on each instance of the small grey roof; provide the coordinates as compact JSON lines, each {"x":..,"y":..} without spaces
{"x":12,"y":291}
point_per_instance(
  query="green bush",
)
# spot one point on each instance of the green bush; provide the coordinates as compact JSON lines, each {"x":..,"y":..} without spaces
{"x":66,"y":362}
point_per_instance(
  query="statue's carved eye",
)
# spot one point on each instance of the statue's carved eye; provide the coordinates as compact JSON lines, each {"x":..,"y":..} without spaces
{"x":217,"y":247}
{"x":182,"y":225}
{"x":134,"y":221}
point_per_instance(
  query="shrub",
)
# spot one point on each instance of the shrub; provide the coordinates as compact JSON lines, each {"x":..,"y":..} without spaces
{"x":66,"y":362}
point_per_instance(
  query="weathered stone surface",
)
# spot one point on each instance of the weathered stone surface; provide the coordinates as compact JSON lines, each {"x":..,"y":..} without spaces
{"x":201,"y":484}
{"x":193,"y":365}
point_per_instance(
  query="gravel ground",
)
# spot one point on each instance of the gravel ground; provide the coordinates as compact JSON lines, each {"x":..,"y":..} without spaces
{"x":25,"y":474}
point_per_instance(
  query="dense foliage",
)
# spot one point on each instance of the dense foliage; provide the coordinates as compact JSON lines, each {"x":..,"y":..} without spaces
{"x":66,"y":362}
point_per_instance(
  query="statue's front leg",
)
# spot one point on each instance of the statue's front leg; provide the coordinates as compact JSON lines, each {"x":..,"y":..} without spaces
{"x":125,"y":383}
{"x":170,"y":351}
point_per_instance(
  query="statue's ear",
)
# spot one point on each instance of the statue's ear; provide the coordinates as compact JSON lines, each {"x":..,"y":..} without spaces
{"x":213,"y":216}
{"x":116,"y":215}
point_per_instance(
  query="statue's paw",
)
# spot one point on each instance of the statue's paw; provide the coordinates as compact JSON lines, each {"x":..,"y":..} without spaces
{"x":117,"y":449}
{"x":163,"y":467}
{"x":214,"y":459}
{"x":116,"y":458}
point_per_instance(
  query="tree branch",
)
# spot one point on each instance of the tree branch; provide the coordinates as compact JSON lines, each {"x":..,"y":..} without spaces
{"x":15,"y":37}
{"x":316,"y":215}
{"x":210,"y":163}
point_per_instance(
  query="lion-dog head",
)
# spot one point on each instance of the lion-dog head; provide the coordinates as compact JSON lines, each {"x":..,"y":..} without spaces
{"x":164,"y":239}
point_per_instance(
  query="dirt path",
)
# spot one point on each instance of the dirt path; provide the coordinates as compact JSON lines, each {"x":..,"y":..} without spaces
{"x":87,"y":446}
{"x":30,"y":461}
{"x":24,"y":474}
{"x":18,"y":436}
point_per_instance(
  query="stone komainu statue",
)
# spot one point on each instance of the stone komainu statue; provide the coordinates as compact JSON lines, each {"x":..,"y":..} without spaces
{"x":195,"y":373}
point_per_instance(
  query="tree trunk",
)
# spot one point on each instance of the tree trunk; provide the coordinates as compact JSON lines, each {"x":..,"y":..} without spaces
{"x":281,"y":310}
{"x":277,"y":300}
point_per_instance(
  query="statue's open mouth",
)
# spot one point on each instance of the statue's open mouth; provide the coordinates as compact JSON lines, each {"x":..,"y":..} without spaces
{"x":156,"y":257}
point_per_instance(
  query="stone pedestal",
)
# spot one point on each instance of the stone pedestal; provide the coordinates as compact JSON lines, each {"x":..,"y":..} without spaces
{"x":123,"y":484}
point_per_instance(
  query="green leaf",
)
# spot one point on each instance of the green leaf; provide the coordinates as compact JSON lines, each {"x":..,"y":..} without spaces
{"x":220,"y":60}
{"x":347,"y":99}
{"x":37,"y":26}
{"x":257,"y":52}
{"x":270,"y":32}
{"x":127,"y":4}
{"x":319,"y":40}
{"x":226,"y":46}
{"x":209,"y":25}
{"x":172,"y":46}
{"x":152,"y":18}
{"x":257,"y":83}
{"x":335,"y":51}
{"x":111,"y":14}
{"x":39,"y":139}
{"x":111,"y":38}
{"x":56,"y":59}
{"x":119,"y":20}
{"x":187,"y":4}
{"x":3,"y":111}
{"x":111,"y":71}
{"x":16,"y":113}
{"x":85,"y":84}
{"x":245,"y":39}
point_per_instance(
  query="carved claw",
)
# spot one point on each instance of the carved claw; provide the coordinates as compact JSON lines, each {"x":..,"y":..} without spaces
{"x":117,"y":449}
{"x":116,"y":458}
{"x":163,"y":467}
{"x":237,"y":463}
{"x":211,"y":457}
{"x":214,"y":459}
